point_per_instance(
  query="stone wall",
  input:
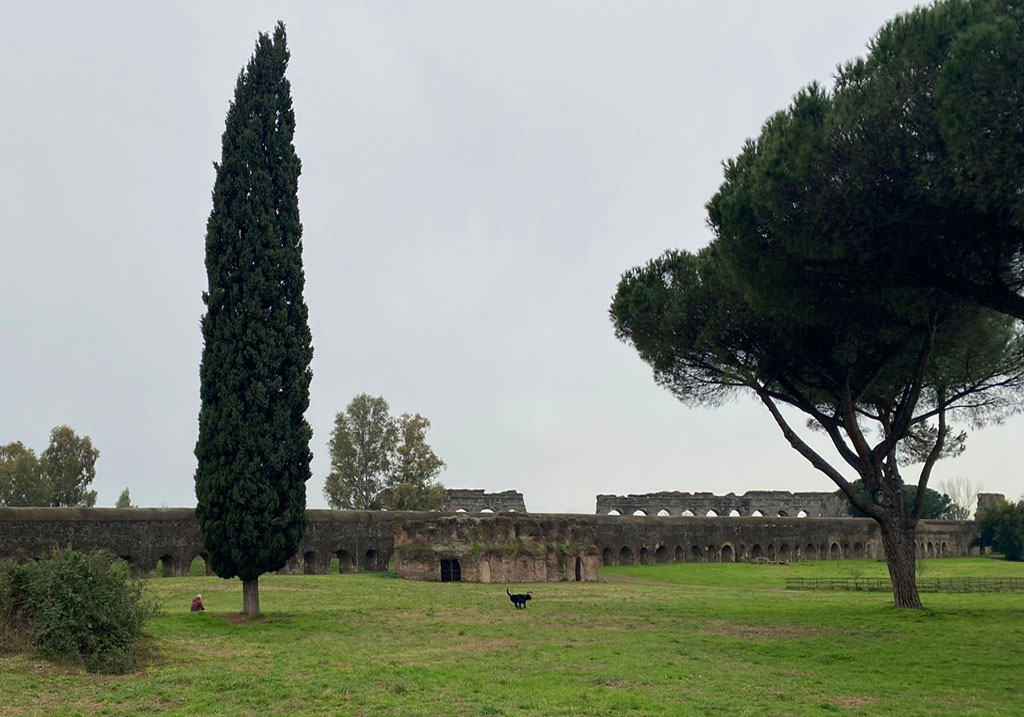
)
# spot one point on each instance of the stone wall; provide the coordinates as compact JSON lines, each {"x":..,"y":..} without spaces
{"x":638,"y":539}
{"x":770,"y":503}
{"x":503,"y":547}
{"x":476,"y":501}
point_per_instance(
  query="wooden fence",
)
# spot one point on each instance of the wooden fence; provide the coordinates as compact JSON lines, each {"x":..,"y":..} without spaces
{"x":925,"y":585}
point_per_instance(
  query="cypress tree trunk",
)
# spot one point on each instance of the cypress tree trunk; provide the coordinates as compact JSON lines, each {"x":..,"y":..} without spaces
{"x":251,"y":597}
{"x":901,"y":557}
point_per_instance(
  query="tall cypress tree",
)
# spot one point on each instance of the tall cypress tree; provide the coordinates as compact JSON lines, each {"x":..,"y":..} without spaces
{"x":253,"y":446}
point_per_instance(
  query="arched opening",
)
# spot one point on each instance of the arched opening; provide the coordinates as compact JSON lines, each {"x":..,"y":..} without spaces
{"x":346,"y":563}
{"x":460,"y":510}
{"x":810,"y":553}
{"x":645,"y":556}
{"x":197,"y":567}
{"x":625,"y":556}
{"x":712,"y":553}
{"x":931,"y":550}
{"x":579,"y":569}
{"x":755,"y":551}
{"x":614,"y":512}
{"x":858,"y":550}
{"x":607,"y":557}
{"x":695,"y":552}
{"x":309,"y":563}
{"x":944,"y":551}
{"x":663,"y":513}
{"x":711,"y":514}
{"x":679,"y":554}
{"x":687,"y":513}
{"x":451,"y":572}
{"x":486,"y":510}
{"x":727,"y":554}
{"x":734,"y":513}
{"x":783,"y":514}
{"x":166,"y":567}
{"x":661,"y":554}
{"x":784,"y":551}
{"x":639,"y":512}
{"x":833,"y":552}
{"x":770,"y":552}
{"x":370,"y":560}
{"x":757,"y":514}
{"x":802,"y":514}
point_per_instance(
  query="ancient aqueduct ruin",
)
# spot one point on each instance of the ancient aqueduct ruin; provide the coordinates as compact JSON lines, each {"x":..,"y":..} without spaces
{"x":489,"y":537}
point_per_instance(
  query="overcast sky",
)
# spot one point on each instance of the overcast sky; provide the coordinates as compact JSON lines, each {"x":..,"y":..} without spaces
{"x":476,"y":177}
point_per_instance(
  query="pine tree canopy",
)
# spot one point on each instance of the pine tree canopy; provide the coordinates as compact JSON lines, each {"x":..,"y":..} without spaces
{"x":253,"y":447}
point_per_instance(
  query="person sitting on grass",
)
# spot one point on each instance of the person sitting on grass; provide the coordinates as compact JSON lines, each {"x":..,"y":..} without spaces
{"x":197,"y":603}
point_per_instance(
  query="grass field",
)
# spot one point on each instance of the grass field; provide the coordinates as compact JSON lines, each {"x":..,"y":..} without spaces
{"x":661,"y":639}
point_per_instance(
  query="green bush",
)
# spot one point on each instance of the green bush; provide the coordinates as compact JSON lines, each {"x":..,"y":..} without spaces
{"x":75,"y":606}
{"x":1002,"y":526}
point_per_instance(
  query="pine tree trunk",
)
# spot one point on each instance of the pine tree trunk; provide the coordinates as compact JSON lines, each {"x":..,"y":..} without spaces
{"x":251,"y":597}
{"x":901,"y":556}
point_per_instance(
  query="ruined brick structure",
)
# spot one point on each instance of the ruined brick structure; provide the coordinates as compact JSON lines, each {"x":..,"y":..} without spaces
{"x":477,"y":501}
{"x":496,"y":548}
{"x":987,"y":499}
{"x":499,"y":547}
{"x":769,"y":503}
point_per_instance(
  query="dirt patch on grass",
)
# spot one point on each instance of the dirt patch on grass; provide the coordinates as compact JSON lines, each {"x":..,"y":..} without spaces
{"x":724,"y":628}
{"x":851,"y":701}
{"x":240,"y":618}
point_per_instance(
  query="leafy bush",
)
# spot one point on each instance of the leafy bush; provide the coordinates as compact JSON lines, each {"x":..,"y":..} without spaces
{"x":1002,"y":526}
{"x":75,"y":606}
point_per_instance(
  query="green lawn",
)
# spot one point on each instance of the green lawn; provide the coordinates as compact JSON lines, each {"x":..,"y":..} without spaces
{"x":661,"y":639}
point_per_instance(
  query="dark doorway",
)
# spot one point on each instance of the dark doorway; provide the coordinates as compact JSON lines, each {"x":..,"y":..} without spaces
{"x":450,"y":571}
{"x":579,"y":570}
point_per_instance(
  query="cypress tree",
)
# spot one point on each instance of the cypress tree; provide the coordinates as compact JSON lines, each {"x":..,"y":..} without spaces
{"x":253,"y":448}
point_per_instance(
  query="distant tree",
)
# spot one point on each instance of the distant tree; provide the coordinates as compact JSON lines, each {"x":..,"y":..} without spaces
{"x":362,"y":448}
{"x":937,"y":506}
{"x":1002,"y":527}
{"x":253,"y":447}
{"x":963,"y":494}
{"x":380,"y":462}
{"x":21,"y":477}
{"x":124,"y":500}
{"x":69,"y":466}
{"x":411,"y":484}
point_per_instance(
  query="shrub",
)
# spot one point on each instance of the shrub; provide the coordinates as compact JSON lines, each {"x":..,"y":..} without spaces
{"x":75,"y":606}
{"x":1002,"y":526}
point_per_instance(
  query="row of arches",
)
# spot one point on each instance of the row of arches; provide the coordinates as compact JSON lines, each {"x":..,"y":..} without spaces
{"x":484,"y":510}
{"x":307,"y":563}
{"x":664,"y":513}
{"x":729,"y":553}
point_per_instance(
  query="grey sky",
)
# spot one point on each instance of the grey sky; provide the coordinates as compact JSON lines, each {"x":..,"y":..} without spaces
{"x":476,"y":176}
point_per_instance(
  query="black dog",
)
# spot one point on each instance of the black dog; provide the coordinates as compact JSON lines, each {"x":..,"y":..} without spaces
{"x":519,"y":600}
